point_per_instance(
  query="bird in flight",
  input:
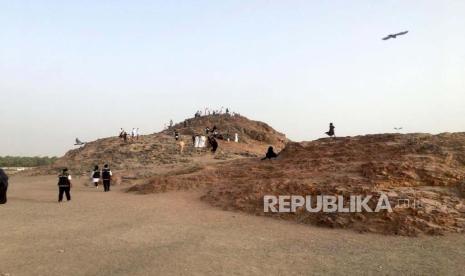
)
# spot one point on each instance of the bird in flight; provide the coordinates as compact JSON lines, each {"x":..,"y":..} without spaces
{"x":398,"y":128}
{"x":79,"y":142}
{"x":394,"y":35}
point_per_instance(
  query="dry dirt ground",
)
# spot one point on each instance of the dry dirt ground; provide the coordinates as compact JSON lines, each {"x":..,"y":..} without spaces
{"x":175,"y":233}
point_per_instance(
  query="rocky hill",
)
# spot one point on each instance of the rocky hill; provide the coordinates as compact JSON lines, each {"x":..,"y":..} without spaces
{"x":428,"y":171}
{"x":160,"y":150}
{"x":249,"y":132}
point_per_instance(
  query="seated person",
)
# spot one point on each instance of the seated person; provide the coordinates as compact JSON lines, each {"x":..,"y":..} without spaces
{"x":270,"y":154}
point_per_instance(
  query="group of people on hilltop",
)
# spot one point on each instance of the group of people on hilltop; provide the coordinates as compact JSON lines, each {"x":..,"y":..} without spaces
{"x":134,"y":135}
{"x":208,"y":111}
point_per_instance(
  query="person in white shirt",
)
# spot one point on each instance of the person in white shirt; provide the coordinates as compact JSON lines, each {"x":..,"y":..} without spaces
{"x":133,"y":133}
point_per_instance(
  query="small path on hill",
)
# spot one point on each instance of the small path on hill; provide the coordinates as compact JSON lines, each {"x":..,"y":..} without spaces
{"x":177,"y":234}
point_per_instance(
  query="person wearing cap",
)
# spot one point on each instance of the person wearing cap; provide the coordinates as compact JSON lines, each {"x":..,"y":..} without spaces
{"x":64,"y":185}
{"x":106,"y":177}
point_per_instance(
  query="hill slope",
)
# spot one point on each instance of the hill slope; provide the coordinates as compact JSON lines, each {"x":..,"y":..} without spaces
{"x":161,"y":149}
{"x":426,"y":169}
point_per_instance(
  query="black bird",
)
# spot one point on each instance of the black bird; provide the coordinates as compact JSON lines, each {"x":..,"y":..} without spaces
{"x":394,"y":35}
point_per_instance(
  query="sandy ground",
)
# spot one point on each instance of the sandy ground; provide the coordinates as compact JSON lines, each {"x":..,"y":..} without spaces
{"x":176,"y":234}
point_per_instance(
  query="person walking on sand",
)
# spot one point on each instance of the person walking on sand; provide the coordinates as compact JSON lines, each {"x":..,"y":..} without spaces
{"x":96,"y":176}
{"x":3,"y":186}
{"x":64,"y":185}
{"x":331,"y":132}
{"x":106,"y":178}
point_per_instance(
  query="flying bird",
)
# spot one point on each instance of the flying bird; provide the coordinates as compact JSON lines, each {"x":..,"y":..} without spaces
{"x":398,"y":128}
{"x":394,"y":35}
{"x":79,"y":142}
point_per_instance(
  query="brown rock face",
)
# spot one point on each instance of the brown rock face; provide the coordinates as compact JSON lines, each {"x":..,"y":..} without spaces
{"x":422,"y":175}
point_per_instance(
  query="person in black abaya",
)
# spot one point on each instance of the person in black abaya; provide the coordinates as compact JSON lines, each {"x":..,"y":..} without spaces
{"x":3,"y":186}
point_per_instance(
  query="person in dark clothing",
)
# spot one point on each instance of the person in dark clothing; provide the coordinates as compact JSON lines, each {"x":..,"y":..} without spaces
{"x":270,"y":154}
{"x":176,"y":135}
{"x":96,"y":176}
{"x":106,"y":178}
{"x":64,"y":185}
{"x":331,"y":133}
{"x":3,"y":186}
{"x":193,"y":140}
{"x":213,"y":143}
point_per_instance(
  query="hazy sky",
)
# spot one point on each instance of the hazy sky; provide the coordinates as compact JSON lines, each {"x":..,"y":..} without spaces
{"x":86,"y":68}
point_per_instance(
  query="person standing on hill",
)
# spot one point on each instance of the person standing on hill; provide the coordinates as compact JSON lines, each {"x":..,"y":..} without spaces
{"x":213,"y":143}
{"x":96,"y":176}
{"x":106,"y":178}
{"x":176,"y":135}
{"x":3,"y":186}
{"x":133,"y":134}
{"x":64,"y":185}
{"x":331,"y":132}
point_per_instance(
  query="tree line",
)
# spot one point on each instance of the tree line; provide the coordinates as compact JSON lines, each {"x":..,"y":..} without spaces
{"x":20,"y":161}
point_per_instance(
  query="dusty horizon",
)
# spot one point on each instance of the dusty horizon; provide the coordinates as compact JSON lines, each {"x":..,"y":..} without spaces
{"x":296,"y":66}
